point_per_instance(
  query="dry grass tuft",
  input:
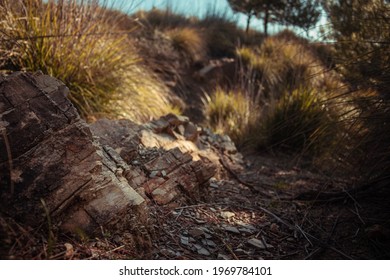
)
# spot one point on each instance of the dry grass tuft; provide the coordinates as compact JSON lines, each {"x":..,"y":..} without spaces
{"x":75,"y":42}
{"x":189,"y":42}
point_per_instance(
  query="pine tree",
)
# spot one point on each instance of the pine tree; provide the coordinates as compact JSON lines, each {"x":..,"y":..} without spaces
{"x":298,"y":13}
{"x":361,"y":29}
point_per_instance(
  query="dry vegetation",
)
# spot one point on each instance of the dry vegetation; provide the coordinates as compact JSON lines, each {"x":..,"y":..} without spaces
{"x":286,"y":95}
{"x":78,"y":44}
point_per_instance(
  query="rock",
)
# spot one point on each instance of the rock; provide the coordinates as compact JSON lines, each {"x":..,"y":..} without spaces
{"x":169,"y":253}
{"x":154,"y":174}
{"x":259,"y":244}
{"x":203,"y":251}
{"x":249,"y":227}
{"x":69,"y":251}
{"x":242,"y":252}
{"x":227,"y":215}
{"x":245,"y":231}
{"x":196,"y":232}
{"x":184,"y":240}
{"x":205,"y":229}
{"x":231,"y":229}
{"x":223,"y":257}
{"x":209,"y":243}
{"x":274,"y":227}
{"x":58,"y":167}
{"x":173,"y":173}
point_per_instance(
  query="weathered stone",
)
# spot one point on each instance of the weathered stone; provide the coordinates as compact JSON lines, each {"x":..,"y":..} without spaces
{"x":196,"y":232}
{"x":184,"y":240}
{"x":223,"y":257}
{"x":259,"y":244}
{"x":57,"y":166}
{"x":209,"y":243}
{"x":227,"y":215}
{"x":175,"y":120}
{"x":122,"y":135}
{"x":203,"y":251}
{"x":97,"y":175}
{"x":231,"y":229}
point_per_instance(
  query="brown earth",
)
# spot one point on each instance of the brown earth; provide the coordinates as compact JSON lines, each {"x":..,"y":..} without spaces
{"x":259,"y":206}
{"x":235,"y":221}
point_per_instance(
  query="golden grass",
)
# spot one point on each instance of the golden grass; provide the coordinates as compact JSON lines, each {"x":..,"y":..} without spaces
{"x":287,"y":62}
{"x":189,"y":41}
{"x":230,"y":112}
{"x":293,"y":101}
{"x":162,"y":19}
{"x":74,"y":42}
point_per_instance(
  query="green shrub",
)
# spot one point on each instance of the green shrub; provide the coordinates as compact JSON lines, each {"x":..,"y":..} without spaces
{"x":301,"y":122}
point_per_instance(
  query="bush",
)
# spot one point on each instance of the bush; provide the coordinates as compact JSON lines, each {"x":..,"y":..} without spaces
{"x":287,"y":62}
{"x":230,"y":112}
{"x":301,"y":122}
{"x":189,"y":42}
{"x":222,"y":35}
{"x":74,"y":43}
{"x":162,"y":19}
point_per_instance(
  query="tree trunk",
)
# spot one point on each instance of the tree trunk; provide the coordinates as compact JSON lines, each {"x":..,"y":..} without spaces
{"x":266,"y":19}
{"x":248,"y":21}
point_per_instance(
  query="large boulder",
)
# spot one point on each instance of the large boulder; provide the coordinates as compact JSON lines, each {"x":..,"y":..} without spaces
{"x":55,"y":167}
{"x":51,"y":166}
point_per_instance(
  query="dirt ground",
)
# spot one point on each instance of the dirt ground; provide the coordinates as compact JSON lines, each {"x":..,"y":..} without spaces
{"x":268,"y":209}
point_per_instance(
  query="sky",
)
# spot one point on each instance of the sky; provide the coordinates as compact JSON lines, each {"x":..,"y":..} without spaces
{"x":192,"y":8}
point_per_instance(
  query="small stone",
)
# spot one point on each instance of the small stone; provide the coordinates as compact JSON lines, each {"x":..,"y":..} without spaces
{"x":184,"y":240}
{"x":247,"y":228}
{"x":154,"y":174}
{"x":135,"y":162}
{"x":168,"y":253}
{"x":205,"y":229}
{"x":117,"y":239}
{"x":209,"y":243}
{"x":164,"y":174}
{"x":259,"y":244}
{"x":250,"y":227}
{"x":181,"y":129}
{"x":231,"y":229}
{"x":223,"y":257}
{"x":274,"y":227}
{"x":208,"y":236}
{"x":69,"y":250}
{"x":203,"y":251}
{"x":227,"y":215}
{"x":175,"y":213}
{"x":196,"y":232}
{"x":197,"y":246}
{"x":245,"y":231}
{"x":241,"y":252}
{"x":214,"y":185}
